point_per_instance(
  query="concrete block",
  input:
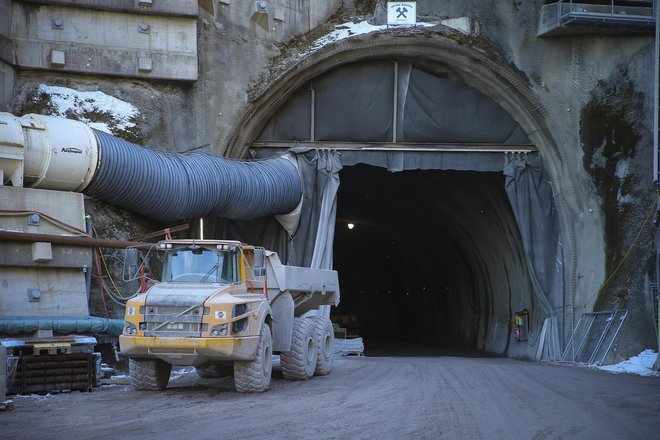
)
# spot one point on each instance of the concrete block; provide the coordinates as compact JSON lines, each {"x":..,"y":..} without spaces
{"x":261,"y":15}
{"x":33,"y":220}
{"x":145,"y":2}
{"x":34,"y":295}
{"x":57,"y":23}
{"x":278,"y":14}
{"x":63,"y":292}
{"x":144,"y":28}
{"x":41,"y":252}
{"x":225,"y":2}
{"x":67,"y":207}
{"x":145,"y":64}
{"x":57,"y":58}
{"x":15,"y":254}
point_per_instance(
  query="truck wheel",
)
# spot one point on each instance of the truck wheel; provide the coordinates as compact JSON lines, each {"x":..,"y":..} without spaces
{"x":149,"y":374}
{"x":325,"y":341}
{"x":254,"y":376}
{"x":299,"y":363}
{"x":215,"y":370}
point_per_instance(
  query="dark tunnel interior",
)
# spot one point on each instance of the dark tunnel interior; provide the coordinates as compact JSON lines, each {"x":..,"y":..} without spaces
{"x":433,"y":258}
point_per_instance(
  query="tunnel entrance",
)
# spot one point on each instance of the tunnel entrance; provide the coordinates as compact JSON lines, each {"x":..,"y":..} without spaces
{"x":432,"y":171}
{"x":428,"y":259}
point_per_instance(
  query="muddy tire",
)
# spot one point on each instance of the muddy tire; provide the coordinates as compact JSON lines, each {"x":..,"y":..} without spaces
{"x":149,"y":374}
{"x":254,"y":376}
{"x":300,"y":362}
{"x":325,"y":341}
{"x":215,"y":370}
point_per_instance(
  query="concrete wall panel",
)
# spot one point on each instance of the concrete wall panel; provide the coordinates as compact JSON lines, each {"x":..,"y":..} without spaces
{"x":62,"y":284}
{"x":7,"y":78}
{"x":108,"y":43}
{"x":184,"y":8}
{"x":67,"y":207}
{"x":62,"y":292}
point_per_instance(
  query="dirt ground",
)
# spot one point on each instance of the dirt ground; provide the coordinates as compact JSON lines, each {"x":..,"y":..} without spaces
{"x":446,"y":397}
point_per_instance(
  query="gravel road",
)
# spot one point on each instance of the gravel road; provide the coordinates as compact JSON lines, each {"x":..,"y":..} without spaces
{"x":447,"y":397}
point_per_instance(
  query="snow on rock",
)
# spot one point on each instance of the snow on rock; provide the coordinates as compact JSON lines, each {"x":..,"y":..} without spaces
{"x":642,"y":364}
{"x":85,"y":105}
{"x":350,"y":29}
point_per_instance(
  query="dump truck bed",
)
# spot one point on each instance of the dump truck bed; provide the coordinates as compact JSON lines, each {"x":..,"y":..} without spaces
{"x":309,"y":288}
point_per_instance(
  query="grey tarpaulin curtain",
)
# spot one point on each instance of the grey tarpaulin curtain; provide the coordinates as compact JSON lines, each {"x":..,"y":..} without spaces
{"x":530,"y":195}
{"x":312,"y":244}
{"x":355,"y":103}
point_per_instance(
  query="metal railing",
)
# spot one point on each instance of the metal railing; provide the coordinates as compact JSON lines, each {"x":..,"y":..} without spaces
{"x":612,"y":11}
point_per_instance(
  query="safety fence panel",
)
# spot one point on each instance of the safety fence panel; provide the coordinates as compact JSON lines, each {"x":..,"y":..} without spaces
{"x":593,"y":337}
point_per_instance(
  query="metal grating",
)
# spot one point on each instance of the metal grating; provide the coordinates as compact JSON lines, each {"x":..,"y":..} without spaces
{"x":174,"y":321}
{"x":593,"y":337}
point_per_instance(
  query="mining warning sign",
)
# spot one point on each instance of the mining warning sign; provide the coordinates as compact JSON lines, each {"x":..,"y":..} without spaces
{"x":401,"y":13}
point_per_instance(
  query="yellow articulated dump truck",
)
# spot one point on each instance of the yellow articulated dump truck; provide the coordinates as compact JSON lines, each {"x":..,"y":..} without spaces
{"x":225,"y":307}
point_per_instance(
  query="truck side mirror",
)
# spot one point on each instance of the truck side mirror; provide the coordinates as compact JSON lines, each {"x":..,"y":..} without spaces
{"x":259,"y":262}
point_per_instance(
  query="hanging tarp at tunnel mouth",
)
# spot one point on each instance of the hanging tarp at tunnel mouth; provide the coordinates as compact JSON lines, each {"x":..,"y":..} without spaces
{"x":528,"y":191}
{"x":356,"y":103}
{"x":408,"y":116}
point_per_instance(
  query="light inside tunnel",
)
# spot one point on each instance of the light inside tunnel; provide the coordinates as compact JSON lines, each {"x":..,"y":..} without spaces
{"x":437,"y":258}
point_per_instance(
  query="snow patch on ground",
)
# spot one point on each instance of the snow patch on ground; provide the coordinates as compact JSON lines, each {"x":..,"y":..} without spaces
{"x":642,"y":364}
{"x":34,"y":396}
{"x":350,"y":29}
{"x":178,"y":372}
{"x":69,"y":102}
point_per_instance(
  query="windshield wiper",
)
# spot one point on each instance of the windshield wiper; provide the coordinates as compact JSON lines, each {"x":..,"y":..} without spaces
{"x":208,"y":274}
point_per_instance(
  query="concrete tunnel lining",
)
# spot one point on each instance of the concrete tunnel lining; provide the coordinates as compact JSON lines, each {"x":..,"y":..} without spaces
{"x":472,"y":60}
{"x":435,"y":110}
{"x":435,"y":257}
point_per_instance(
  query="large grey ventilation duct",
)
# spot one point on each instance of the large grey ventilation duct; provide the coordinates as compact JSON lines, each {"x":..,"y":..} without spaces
{"x":167,"y":186}
{"x":56,"y":153}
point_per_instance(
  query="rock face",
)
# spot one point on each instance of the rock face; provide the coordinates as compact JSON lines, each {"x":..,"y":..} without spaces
{"x":584,"y":99}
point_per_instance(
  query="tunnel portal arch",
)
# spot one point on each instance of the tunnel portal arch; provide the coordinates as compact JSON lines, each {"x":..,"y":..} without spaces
{"x":519,"y":125}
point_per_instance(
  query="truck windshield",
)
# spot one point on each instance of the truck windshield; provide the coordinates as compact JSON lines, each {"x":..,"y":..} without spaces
{"x":199,"y":266}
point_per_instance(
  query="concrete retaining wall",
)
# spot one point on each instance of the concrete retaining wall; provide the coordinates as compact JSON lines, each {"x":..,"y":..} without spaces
{"x":42,"y":279}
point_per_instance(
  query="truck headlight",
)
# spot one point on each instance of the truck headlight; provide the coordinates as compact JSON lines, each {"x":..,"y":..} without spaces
{"x":219,"y":330}
{"x":130,"y":329}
